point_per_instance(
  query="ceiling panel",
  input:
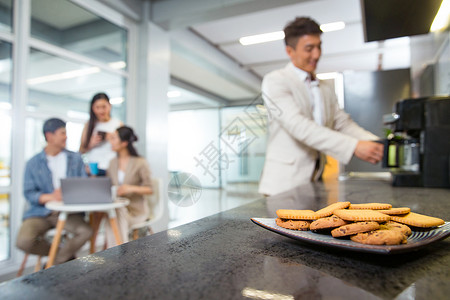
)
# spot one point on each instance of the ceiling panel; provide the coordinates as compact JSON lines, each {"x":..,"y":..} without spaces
{"x":204,"y":64}
{"x":64,"y":14}
{"x":323,"y":11}
{"x":259,"y":53}
{"x":205,"y":79}
{"x":342,"y":51}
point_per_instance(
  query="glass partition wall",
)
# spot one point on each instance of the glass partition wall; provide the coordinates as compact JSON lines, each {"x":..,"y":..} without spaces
{"x":5,"y":125}
{"x":221,"y":146}
{"x":69,"y":52}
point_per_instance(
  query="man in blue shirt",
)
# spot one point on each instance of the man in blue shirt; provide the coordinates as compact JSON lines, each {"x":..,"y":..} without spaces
{"x":43,"y":174}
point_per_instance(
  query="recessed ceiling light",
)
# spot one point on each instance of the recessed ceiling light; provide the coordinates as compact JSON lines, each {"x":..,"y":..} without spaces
{"x":73,"y":74}
{"x":332,"y":26}
{"x":116,"y":100}
{"x":261,"y":38}
{"x":117,"y":65}
{"x":442,"y":16}
{"x":279,"y":35}
{"x":64,"y":75}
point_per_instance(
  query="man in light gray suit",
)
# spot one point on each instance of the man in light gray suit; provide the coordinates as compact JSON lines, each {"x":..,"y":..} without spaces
{"x":305,"y":121}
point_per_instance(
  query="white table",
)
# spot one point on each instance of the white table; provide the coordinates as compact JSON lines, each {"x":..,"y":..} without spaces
{"x":65,"y":209}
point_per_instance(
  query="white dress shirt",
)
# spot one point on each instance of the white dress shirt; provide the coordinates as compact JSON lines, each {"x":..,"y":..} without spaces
{"x":314,"y":95}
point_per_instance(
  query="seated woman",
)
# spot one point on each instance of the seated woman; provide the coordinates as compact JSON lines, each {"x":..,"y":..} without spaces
{"x":131,"y":174}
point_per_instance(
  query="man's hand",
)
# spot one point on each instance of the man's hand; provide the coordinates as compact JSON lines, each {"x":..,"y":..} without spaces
{"x":55,"y":196}
{"x":369,"y":151}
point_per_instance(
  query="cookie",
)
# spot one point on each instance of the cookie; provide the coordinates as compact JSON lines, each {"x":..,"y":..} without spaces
{"x":354,"y":228}
{"x":296,"y":214}
{"x":380,"y":237}
{"x":390,"y":225}
{"x":293,"y":224}
{"x":370,"y":206}
{"x":327,"y":223}
{"x":328,"y":211}
{"x":395,"y":211}
{"x":361,"y":215}
{"x":418,"y":220}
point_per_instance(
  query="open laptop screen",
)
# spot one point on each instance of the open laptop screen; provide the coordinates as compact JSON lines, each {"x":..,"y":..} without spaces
{"x":82,"y":190}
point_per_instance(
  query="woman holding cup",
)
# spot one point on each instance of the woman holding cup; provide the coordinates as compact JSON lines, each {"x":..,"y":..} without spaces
{"x":94,"y":139}
{"x":130,"y":174}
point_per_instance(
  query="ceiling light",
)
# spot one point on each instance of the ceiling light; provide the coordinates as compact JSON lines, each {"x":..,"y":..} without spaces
{"x":261,"y":38}
{"x":173,"y":94}
{"x":279,"y":35}
{"x":117,"y":65}
{"x":64,"y":75}
{"x":442,"y":16}
{"x":332,"y":26}
{"x":73,"y":74}
{"x":116,"y":100}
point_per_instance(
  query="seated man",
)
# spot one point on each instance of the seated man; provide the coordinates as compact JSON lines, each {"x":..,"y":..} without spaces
{"x":42,"y":182}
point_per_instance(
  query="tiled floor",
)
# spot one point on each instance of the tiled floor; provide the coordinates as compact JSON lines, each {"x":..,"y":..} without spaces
{"x":211,"y":201}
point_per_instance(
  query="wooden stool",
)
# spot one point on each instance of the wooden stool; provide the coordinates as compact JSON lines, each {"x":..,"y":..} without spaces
{"x":37,"y":267}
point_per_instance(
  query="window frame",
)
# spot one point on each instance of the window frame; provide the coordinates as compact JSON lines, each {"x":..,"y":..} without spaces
{"x":22,"y":42}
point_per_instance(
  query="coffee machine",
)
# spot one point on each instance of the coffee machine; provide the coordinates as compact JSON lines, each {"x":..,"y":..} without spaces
{"x":417,"y":150}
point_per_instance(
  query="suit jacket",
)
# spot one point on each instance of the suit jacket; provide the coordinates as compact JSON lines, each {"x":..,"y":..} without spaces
{"x":295,"y":140}
{"x":137,"y":173}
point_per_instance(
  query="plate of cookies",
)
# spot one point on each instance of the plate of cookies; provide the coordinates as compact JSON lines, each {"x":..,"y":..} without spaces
{"x":369,"y":227}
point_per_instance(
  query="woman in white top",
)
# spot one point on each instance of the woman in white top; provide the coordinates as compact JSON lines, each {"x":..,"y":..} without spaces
{"x":96,"y":133}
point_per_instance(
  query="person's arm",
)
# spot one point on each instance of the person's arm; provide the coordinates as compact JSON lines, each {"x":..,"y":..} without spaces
{"x":127,"y":189}
{"x":369,"y":151}
{"x":344,"y":123}
{"x":83,"y":149}
{"x":55,"y":196}
{"x":93,"y":141}
{"x":32,"y":190}
{"x":146,"y":186}
{"x":366,"y":149}
{"x":284,"y":109}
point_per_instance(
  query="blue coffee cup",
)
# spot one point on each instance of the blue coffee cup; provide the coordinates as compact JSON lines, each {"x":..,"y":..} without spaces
{"x":93,"y":166}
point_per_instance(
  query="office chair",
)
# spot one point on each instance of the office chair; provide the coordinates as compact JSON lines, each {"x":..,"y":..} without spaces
{"x":156,"y":209}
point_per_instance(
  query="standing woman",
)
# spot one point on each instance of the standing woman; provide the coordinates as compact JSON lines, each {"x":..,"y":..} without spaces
{"x":131,"y":174}
{"x":96,"y":133}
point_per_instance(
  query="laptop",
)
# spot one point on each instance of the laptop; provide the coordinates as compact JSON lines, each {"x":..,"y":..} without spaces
{"x":86,"y":190}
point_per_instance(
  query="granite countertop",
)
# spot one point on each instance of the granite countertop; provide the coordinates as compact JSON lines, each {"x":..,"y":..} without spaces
{"x":226,"y":256}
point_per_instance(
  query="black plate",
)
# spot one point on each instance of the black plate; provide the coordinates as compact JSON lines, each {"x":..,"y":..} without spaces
{"x":418,"y":239}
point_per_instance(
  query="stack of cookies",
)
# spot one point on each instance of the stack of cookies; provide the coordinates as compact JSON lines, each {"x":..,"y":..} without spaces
{"x":369,"y":223}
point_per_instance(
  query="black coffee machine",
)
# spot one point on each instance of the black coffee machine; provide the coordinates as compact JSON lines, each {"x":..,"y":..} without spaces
{"x":417,"y":151}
